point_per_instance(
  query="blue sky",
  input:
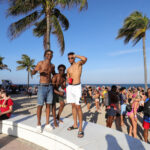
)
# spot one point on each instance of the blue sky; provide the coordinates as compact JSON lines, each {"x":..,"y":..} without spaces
{"x":92,"y":34}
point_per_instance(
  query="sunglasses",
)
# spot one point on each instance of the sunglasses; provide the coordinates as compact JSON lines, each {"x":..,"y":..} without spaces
{"x":61,"y":69}
{"x":70,"y":58}
{"x":49,"y":54}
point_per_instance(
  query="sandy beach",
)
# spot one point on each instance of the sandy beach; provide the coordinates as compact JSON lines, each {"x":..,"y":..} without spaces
{"x":25,"y":105}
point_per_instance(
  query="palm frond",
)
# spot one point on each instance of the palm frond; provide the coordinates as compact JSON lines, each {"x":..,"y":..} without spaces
{"x":59,"y":33}
{"x":21,"y":67}
{"x":21,"y":7}
{"x":1,"y":60}
{"x":40,"y":28}
{"x":25,"y":63}
{"x":18,"y":27}
{"x":134,"y":28}
{"x":70,"y":3}
{"x":64,"y":21}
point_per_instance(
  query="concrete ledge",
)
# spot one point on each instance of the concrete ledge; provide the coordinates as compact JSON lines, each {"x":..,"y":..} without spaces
{"x":96,"y":136}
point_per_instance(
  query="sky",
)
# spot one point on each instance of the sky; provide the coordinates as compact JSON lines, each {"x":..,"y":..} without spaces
{"x":92,"y":33}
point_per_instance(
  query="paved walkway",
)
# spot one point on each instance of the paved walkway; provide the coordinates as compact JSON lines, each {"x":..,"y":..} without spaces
{"x":24,"y":105}
{"x":13,"y":143}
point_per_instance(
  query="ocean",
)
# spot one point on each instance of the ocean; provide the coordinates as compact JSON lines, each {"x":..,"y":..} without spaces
{"x":122,"y":85}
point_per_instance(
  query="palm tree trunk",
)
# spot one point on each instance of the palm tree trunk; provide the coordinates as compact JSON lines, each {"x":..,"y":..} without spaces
{"x":145,"y":65}
{"x":48,"y":28}
{"x":28,"y":79}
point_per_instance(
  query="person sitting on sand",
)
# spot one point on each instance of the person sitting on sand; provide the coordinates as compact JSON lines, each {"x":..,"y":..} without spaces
{"x":6,"y":105}
{"x":74,"y":90}
{"x":59,"y":84}
{"x":45,"y":89}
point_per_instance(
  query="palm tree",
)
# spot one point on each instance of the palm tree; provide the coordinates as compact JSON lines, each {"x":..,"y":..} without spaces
{"x":3,"y":66}
{"x":134,"y":29}
{"x":26,"y":63}
{"x":46,"y":17}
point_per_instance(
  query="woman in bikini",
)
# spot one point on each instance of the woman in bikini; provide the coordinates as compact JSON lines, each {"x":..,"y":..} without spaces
{"x":133,"y":114}
{"x":96,"y":97}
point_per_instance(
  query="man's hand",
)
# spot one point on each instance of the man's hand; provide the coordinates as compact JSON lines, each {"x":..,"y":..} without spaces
{"x":61,"y":93}
{"x":74,"y":56}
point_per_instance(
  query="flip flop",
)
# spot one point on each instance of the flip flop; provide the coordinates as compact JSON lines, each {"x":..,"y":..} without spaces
{"x":71,"y":128}
{"x":80,"y":134}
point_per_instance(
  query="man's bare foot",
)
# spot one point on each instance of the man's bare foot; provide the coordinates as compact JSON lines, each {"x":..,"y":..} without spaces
{"x":60,"y":121}
{"x":122,"y":124}
{"x":130,"y":134}
{"x":55,"y":124}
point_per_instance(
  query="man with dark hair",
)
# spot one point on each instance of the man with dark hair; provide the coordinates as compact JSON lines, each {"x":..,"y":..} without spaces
{"x":45,"y":89}
{"x":113,"y":106}
{"x":123,"y":104}
{"x":74,"y":91}
{"x":59,"y":83}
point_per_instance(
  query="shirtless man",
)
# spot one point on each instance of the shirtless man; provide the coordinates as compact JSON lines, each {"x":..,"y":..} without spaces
{"x":59,"y":83}
{"x":45,"y":89}
{"x":74,"y":90}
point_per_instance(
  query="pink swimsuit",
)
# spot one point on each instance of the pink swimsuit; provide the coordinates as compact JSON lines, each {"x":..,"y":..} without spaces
{"x":129,"y":113}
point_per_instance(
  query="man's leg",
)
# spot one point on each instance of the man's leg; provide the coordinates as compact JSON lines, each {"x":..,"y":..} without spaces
{"x":121,"y":120}
{"x":54,"y":114}
{"x":74,"y":114}
{"x":39,"y":112}
{"x":47,"y":113}
{"x":79,"y":112}
{"x":146,"y":135}
{"x":62,"y":104}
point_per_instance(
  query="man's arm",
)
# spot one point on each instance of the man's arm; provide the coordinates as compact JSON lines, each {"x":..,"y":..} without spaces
{"x":83,"y":59}
{"x":8,"y":111}
{"x":54,"y":81}
{"x":36,"y":69}
{"x":68,"y":75}
{"x":53,"y":70}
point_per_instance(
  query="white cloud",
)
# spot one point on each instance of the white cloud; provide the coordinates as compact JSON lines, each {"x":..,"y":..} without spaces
{"x":124,"y":52}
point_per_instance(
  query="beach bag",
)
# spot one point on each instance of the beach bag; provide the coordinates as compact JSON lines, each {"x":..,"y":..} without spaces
{"x":128,"y":108}
{"x":147,"y":108}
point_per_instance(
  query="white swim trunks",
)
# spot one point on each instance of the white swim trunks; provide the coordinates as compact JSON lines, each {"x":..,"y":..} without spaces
{"x":73,"y":94}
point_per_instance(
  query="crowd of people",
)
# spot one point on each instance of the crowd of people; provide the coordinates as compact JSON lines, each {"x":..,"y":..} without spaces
{"x":119,"y":102}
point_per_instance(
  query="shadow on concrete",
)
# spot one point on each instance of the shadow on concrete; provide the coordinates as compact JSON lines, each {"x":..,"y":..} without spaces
{"x":134,"y":143}
{"x":6,"y":140}
{"x":91,"y":116}
{"x":112,"y":143}
{"x":12,"y":131}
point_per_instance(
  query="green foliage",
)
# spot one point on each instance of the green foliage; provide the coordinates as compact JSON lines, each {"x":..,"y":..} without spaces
{"x":26,"y":63}
{"x":35,"y":15}
{"x":3,"y":66}
{"x":134,"y":28}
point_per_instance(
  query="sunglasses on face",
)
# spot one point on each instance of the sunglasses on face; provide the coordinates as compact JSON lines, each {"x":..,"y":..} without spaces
{"x":49,"y":54}
{"x":70,"y":58}
{"x":61,"y":70}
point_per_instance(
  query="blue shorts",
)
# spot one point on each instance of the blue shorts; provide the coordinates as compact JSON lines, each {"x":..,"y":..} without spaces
{"x":123,"y":109}
{"x":111,"y":112}
{"x":45,"y":94}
